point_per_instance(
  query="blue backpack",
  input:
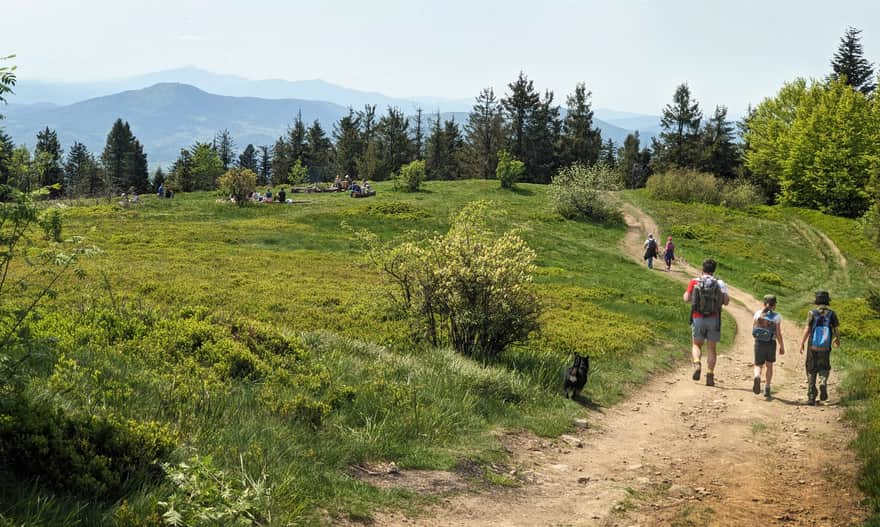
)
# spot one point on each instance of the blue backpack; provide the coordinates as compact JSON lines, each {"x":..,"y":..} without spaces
{"x":820,"y":330}
{"x":767,"y":331}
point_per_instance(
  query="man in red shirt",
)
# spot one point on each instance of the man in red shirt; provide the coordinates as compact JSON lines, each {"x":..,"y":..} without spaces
{"x":707,"y":295}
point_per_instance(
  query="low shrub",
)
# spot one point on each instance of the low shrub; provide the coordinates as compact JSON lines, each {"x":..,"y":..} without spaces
{"x":739,"y":194}
{"x":685,"y":186}
{"x":411,"y":176}
{"x":576,"y":192}
{"x":239,"y":184}
{"x":509,"y":169}
{"x":771,"y":278}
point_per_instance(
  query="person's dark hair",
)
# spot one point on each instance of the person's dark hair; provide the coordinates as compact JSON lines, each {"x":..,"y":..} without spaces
{"x":822,"y":298}
{"x":709,"y":265}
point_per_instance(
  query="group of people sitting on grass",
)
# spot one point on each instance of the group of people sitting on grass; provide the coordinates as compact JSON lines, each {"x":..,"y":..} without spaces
{"x":267,"y":197}
{"x":355,"y":190}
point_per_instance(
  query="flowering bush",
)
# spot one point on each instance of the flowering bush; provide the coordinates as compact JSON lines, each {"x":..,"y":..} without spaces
{"x":576,"y":192}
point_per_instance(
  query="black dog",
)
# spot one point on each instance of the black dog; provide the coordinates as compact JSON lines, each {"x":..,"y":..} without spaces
{"x":576,"y":376}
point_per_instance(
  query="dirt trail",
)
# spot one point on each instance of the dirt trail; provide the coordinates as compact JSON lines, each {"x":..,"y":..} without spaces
{"x":678,"y":452}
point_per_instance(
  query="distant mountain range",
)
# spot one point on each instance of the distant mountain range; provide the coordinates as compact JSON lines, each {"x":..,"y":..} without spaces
{"x":168,"y":116}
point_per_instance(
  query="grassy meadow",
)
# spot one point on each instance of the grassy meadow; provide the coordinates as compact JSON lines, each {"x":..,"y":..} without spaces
{"x":260,"y":344}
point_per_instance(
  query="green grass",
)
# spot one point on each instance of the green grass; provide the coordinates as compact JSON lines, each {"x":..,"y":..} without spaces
{"x":262,"y":339}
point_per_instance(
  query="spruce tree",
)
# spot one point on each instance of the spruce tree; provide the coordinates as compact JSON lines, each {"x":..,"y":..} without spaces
{"x":124,"y":161}
{"x":445,"y":151}
{"x":849,"y":62}
{"x":632,"y":163}
{"x":248,"y":158}
{"x":181,"y":177}
{"x":49,"y":153}
{"x":139,"y":179}
{"x":519,"y":106}
{"x":418,"y":140}
{"x":159,"y":178}
{"x":720,"y":155}
{"x":393,"y":143}
{"x":678,"y":144}
{"x":81,"y":174}
{"x":485,"y":135}
{"x":542,"y":140}
{"x":349,"y":144}
{"x":264,"y":165}
{"x":225,"y":147}
{"x":282,"y":161}
{"x":581,"y":141}
{"x":319,"y":153}
{"x":608,"y":154}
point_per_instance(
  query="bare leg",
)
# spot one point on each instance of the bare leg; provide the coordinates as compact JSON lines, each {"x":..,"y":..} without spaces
{"x":697,"y":351}
{"x":712,"y":357}
{"x":769,"y":372}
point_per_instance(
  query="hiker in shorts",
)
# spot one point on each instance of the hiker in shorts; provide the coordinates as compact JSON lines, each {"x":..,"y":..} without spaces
{"x":650,"y":250}
{"x":767,"y":330}
{"x":669,"y":253}
{"x":821,"y":333}
{"x":707,"y":295}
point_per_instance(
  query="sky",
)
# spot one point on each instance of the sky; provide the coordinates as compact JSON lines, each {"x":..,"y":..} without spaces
{"x":631,"y":54}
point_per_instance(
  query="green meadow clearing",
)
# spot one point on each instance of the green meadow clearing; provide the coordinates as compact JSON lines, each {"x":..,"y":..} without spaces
{"x":258,"y":345}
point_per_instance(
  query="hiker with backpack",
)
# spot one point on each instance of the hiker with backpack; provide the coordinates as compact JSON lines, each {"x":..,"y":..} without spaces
{"x":767,"y":330}
{"x":707,"y":295}
{"x":821,"y":333}
{"x":650,"y":250}
{"x":669,"y":253}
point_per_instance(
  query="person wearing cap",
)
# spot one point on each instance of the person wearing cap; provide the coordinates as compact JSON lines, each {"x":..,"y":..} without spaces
{"x":669,"y":253}
{"x":822,"y":332}
{"x":767,"y":330}
{"x":650,"y":250}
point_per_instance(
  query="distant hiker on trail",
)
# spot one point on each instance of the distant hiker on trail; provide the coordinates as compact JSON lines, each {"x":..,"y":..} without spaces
{"x":669,"y":253}
{"x":821,"y":333}
{"x":767,"y":330}
{"x":707,"y":296}
{"x":650,"y":250}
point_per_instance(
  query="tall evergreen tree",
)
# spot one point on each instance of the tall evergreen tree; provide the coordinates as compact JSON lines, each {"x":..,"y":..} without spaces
{"x":418,"y":136}
{"x":225,"y":147}
{"x":81,"y":175}
{"x":542,"y":140}
{"x":369,"y":162}
{"x":248,"y":158}
{"x":282,"y":161}
{"x":181,"y":177}
{"x":264,"y":165}
{"x":393,"y":143}
{"x":720,"y":155}
{"x":159,"y":178}
{"x":632,"y":163}
{"x":445,"y":148}
{"x":608,"y":154}
{"x":319,"y":153}
{"x":519,"y":106}
{"x":485,"y":134}
{"x":349,"y":144}
{"x":679,"y":138}
{"x":49,"y":153}
{"x":124,"y":161}
{"x":849,"y":61}
{"x":581,"y":141}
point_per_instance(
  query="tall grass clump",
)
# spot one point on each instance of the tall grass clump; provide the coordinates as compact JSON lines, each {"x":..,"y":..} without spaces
{"x":576,"y":192}
{"x":692,"y":186}
{"x":469,"y":288}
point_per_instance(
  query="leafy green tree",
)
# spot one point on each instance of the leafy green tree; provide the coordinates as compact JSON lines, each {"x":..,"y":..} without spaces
{"x":319,"y":153}
{"x":509,"y":169}
{"x":6,"y":149}
{"x":7,"y":80}
{"x":678,"y":144}
{"x":81,"y":173}
{"x":485,"y":135}
{"x":349,"y":143}
{"x":519,"y":105}
{"x":849,"y":63}
{"x":542,"y":141}
{"x":181,"y":177}
{"x":411,"y":176}
{"x":264,"y":165}
{"x":124,"y":161}
{"x":206,"y":166}
{"x":239,"y":184}
{"x":393,"y":142}
{"x":225,"y":147}
{"x":633,"y":164}
{"x":21,"y":173}
{"x":49,"y":154}
{"x":581,"y":141}
{"x":720,"y":155}
{"x":298,"y":174}
{"x":248,"y":158}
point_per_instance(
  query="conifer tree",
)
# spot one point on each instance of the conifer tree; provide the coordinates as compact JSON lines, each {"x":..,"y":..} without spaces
{"x":349,"y":144}
{"x":608,"y":154}
{"x":393,"y":143}
{"x":282,"y":161}
{"x":48,"y":151}
{"x":264,"y":165}
{"x":678,"y":144}
{"x":519,"y":106}
{"x":485,"y":135}
{"x":581,"y":141}
{"x":225,"y":147}
{"x":418,"y":140}
{"x":542,"y":140}
{"x":159,"y":178}
{"x":849,"y":62}
{"x":207,"y":166}
{"x":248,"y":158}
{"x":632,"y":163}
{"x":319,"y":153}
{"x":445,"y":150}
{"x":82,"y":177}
{"x":181,"y":177}
{"x":124,"y":161}
{"x":720,"y":155}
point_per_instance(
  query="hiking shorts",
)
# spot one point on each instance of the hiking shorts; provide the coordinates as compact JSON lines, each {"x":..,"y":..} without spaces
{"x":765,"y":352}
{"x":706,"y":328}
{"x":818,"y":361}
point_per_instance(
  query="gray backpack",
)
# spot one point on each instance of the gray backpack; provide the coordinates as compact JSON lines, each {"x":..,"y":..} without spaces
{"x":707,"y":297}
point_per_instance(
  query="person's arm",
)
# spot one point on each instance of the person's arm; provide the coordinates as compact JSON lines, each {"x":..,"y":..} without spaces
{"x":779,"y":337}
{"x":726,"y":299}
{"x":806,"y":333}
{"x":835,"y":330}
{"x":687,"y":292}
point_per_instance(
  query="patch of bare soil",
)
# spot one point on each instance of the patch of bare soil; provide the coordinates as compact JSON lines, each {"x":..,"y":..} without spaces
{"x":680,"y":453}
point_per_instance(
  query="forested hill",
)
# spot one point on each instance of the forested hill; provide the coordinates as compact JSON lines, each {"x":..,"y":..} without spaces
{"x":169,"y":116}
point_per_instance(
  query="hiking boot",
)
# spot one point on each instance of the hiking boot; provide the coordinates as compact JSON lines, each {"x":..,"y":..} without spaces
{"x":756,"y":387}
{"x":812,"y":400}
{"x":696,"y":375}
{"x":823,"y":392}
{"x":710,"y":379}
{"x":767,"y":391}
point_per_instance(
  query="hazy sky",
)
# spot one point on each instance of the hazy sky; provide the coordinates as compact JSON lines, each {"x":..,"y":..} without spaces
{"x":631,"y":54}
